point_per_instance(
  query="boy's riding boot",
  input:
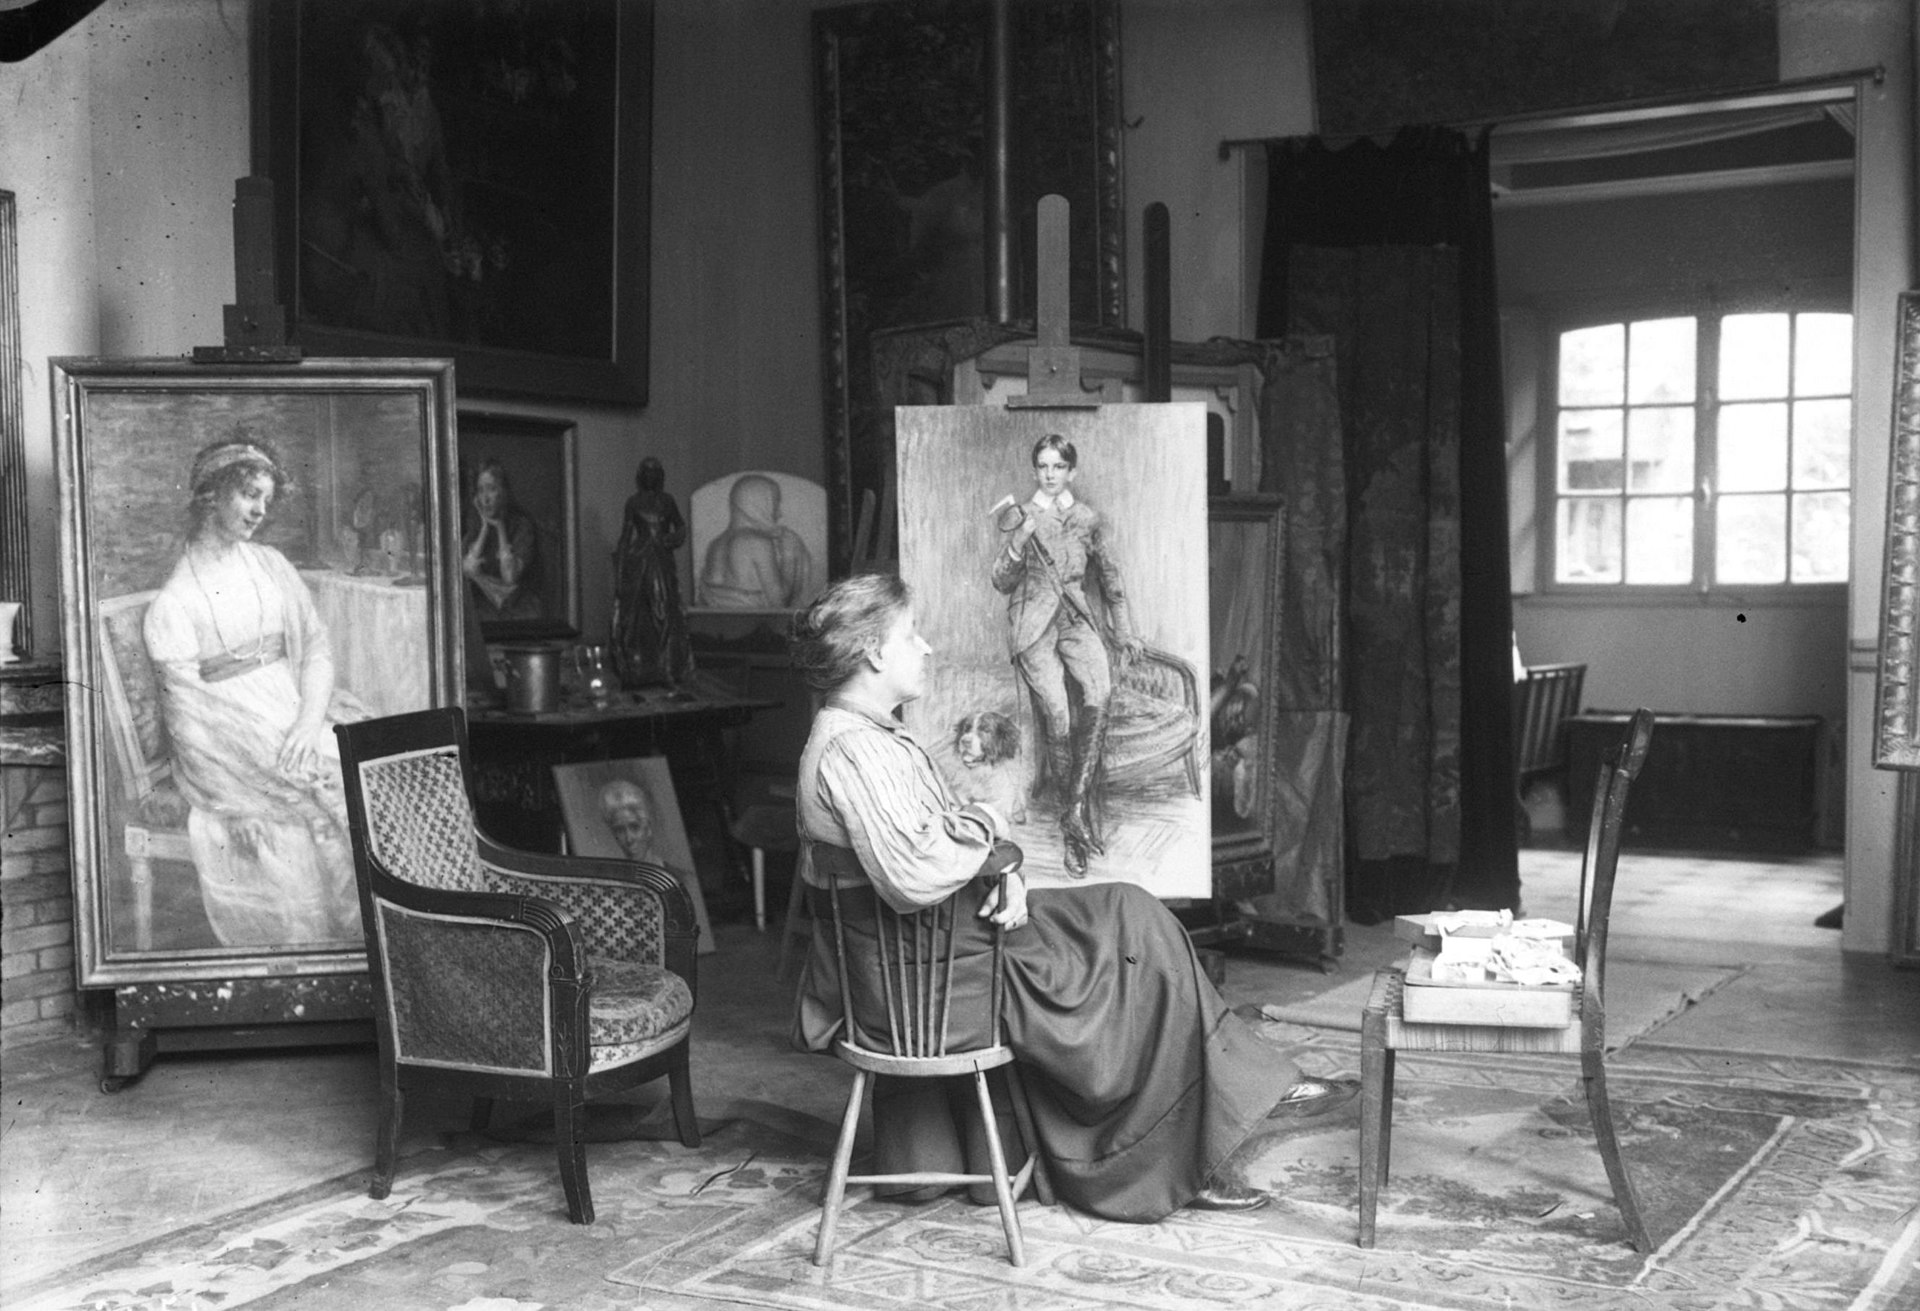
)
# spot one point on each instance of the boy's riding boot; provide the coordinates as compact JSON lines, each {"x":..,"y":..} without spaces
{"x":1078,"y":822}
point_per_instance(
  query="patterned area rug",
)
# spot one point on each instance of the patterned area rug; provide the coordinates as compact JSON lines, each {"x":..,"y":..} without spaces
{"x":1641,"y":996}
{"x":1769,"y":1183}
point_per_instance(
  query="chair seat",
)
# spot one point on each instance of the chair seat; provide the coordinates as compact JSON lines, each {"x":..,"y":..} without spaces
{"x":923,"y":1067}
{"x":635,"y":1010}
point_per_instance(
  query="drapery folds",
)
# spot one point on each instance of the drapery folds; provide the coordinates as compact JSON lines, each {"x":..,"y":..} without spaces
{"x":1388,"y":249}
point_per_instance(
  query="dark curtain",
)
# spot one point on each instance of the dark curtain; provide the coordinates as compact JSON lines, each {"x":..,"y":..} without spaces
{"x":1301,"y":460}
{"x":1389,"y":250}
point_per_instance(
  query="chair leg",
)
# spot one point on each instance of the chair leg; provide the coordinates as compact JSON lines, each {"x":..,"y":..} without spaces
{"x":386,"y":1139}
{"x":680,"y":1081}
{"x":1594,"y":1074}
{"x":482,"y":1114}
{"x":1386,"y":1118}
{"x":796,"y":924}
{"x":759,"y":889}
{"x":837,"y":1176}
{"x":1376,"y":1127}
{"x":997,"y":1160}
{"x":569,"y":1111}
{"x":1023,"y":1116}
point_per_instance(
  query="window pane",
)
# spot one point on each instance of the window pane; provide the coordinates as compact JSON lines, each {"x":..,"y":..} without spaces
{"x":1752,"y":546}
{"x":1660,"y":449}
{"x":1593,"y":365}
{"x":1822,"y":438}
{"x":1823,"y":355}
{"x":1660,"y":539}
{"x":1588,"y":545}
{"x":1820,"y":531}
{"x":1753,"y":447}
{"x":1660,"y":365}
{"x":1753,"y":356}
{"x":1591,"y":450}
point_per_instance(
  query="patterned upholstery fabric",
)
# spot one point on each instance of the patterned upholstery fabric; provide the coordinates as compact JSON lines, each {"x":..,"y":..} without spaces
{"x":464,"y":993}
{"x":420,"y":825}
{"x":617,"y":920}
{"x":635,"y":1009}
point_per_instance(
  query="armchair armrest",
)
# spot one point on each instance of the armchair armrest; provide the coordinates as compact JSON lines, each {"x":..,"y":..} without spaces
{"x":626,"y":909}
{"x":481,"y":980}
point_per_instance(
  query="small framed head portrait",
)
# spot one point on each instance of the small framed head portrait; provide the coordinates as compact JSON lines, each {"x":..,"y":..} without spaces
{"x":626,"y":809}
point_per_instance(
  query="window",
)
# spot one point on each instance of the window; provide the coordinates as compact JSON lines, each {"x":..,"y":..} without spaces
{"x":1705,"y":451}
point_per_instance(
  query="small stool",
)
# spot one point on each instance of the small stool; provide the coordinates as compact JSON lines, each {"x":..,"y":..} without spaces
{"x":761,"y":829}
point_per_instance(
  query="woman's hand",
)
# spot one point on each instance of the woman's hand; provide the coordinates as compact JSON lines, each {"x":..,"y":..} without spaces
{"x":1006,"y":904}
{"x":473,"y":562}
{"x":300,"y":755}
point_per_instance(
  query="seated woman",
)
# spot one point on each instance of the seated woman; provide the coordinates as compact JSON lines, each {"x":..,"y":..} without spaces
{"x":249,"y":700}
{"x":1142,"y":1082}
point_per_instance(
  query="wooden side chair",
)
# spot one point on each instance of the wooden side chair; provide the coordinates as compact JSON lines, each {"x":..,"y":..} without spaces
{"x":507,"y":974}
{"x":1543,"y":701}
{"x":1384,"y":1030}
{"x":913,"y":976}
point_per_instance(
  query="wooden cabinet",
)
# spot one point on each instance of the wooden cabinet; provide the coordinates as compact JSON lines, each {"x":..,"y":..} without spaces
{"x":1711,"y":782}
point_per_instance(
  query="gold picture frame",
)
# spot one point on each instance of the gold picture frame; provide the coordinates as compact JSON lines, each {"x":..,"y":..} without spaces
{"x":199,"y":850}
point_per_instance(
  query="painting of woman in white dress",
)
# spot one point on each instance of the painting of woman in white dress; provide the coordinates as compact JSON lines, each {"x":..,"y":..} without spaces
{"x":249,"y":701}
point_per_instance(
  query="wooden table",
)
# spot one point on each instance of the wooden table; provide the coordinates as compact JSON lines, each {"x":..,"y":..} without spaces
{"x":514,"y":755}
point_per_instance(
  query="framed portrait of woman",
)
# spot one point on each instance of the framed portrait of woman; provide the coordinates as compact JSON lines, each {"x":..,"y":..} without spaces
{"x":519,"y":540}
{"x":250,"y":556}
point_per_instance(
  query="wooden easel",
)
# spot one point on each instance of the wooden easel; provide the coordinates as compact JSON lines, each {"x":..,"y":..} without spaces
{"x":1054,"y":382}
{"x":223,"y":1014}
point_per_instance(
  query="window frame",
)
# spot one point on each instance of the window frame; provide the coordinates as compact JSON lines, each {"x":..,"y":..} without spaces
{"x":1707,"y":306}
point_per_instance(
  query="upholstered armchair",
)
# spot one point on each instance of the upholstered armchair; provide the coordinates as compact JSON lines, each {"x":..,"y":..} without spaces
{"x":503,"y":973}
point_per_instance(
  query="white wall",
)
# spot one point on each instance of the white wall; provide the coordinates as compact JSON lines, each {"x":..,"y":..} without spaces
{"x":1193,"y":74}
{"x":50,"y":171}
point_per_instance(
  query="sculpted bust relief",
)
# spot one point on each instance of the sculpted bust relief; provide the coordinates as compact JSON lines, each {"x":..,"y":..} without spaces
{"x":764,"y":544}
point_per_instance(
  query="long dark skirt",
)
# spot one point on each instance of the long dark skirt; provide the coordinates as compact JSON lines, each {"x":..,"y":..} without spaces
{"x":1140,"y":1078}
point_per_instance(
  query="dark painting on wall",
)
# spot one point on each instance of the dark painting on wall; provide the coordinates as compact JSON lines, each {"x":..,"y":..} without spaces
{"x":466,"y":178}
{"x":1380,"y":64}
{"x":519,"y":534}
{"x":901,"y":95}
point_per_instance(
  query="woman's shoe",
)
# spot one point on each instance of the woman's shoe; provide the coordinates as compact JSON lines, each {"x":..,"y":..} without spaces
{"x":1220,"y":1196}
{"x":1313,"y":1097}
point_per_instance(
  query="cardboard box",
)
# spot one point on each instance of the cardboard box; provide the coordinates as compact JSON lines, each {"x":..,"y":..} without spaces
{"x":1426,"y":1000}
{"x":1427,"y":930}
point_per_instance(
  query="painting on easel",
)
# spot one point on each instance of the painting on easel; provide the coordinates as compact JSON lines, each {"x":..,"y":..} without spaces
{"x":1058,"y":559}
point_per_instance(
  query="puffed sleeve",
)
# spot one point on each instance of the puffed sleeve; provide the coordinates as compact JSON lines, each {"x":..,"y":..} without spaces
{"x":915,"y":846}
{"x":168,"y":630}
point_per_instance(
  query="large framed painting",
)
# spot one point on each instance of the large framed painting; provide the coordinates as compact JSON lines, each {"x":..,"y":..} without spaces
{"x":249,"y":556}
{"x":1246,"y":574}
{"x":1896,"y":743}
{"x":901,"y":99}
{"x":1069,"y":684}
{"x":463,"y":178}
{"x":519,"y":525}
